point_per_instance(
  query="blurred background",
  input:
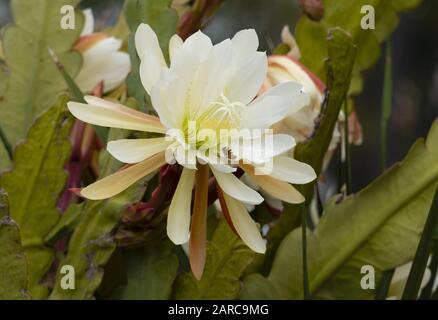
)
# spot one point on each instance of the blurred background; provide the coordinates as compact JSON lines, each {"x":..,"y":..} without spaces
{"x":415,"y":66}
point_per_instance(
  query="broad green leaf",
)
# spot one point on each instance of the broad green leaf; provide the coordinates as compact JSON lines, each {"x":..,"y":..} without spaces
{"x":157,"y":14}
{"x":341,"y":53}
{"x":34,"y":184}
{"x":92,"y":244}
{"x":34,"y":81}
{"x":163,"y":20}
{"x":227,"y":259}
{"x":379,"y":226}
{"x":150,"y":272}
{"x":347,"y":15}
{"x":13,"y":265}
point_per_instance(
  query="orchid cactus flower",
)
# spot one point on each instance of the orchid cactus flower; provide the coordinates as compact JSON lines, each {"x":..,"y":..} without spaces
{"x":206,"y":89}
{"x":102,"y":60}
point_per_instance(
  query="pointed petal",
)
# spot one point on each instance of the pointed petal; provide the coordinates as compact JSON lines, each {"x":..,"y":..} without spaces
{"x":246,"y":83}
{"x":136,"y":150}
{"x":198,"y":232}
{"x":175,"y":44}
{"x":235,"y":188}
{"x":274,"y":105}
{"x":262,"y":149}
{"x":178,"y":217}
{"x":121,"y":180}
{"x":276,"y":188}
{"x":108,"y":114}
{"x":292,"y":171}
{"x":247,"y":229}
{"x":151,"y":56}
{"x":245,"y":42}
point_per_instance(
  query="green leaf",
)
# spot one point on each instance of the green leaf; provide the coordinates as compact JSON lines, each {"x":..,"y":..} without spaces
{"x":34,"y":184}
{"x":379,"y":226}
{"x":66,"y":224}
{"x":163,"y":20}
{"x":92,"y":244}
{"x":158,"y":14}
{"x":151,"y":272}
{"x":347,"y":15}
{"x":34,"y":82}
{"x":13,"y":265}
{"x":341,"y":59}
{"x":227,"y":259}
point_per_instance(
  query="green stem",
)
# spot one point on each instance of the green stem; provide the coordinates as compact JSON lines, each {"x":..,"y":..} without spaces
{"x":422,"y":255}
{"x":304,"y":248}
{"x":386,"y":105}
{"x":427,"y":291}
{"x":347,"y":163}
{"x":385,"y":282}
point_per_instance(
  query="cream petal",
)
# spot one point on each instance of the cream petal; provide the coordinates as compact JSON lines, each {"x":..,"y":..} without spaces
{"x":247,"y":229}
{"x":198,"y":44}
{"x":291,"y":170}
{"x":121,"y":180}
{"x":247,"y":81}
{"x":262,"y":149}
{"x":175,"y":44}
{"x":276,"y":188}
{"x":274,"y":105}
{"x":88,"y":23}
{"x":235,"y":188}
{"x":137,"y":150}
{"x":151,"y":56}
{"x":103,"y":62}
{"x":178,"y":217}
{"x":245,"y":42}
{"x":108,"y":114}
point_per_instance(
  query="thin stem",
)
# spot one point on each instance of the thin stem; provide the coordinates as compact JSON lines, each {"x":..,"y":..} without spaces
{"x":386,"y":106}
{"x":306,"y":289}
{"x":385,"y":282}
{"x":422,"y":255}
{"x":347,"y":162}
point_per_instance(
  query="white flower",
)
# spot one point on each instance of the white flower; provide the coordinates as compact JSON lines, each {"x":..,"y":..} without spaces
{"x":102,"y":60}
{"x":209,"y":88}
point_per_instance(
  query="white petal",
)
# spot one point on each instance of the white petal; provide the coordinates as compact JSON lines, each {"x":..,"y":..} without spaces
{"x":136,"y":150}
{"x":198,"y":44}
{"x":175,"y":44}
{"x":247,"y":229}
{"x":178,"y":217}
{"x":245,"y":42}
{"x":274,"y":105}
{"x":262,"y":149}
{"x":236,"y":188}
{"x":151,"y":56}
{"x":293,"y":171}
{"x":123,"y":179}
{"x":247,"y":81}
{"x":103,"y":62}
{"x":88,"y":23}
{"x":108,"y":114}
